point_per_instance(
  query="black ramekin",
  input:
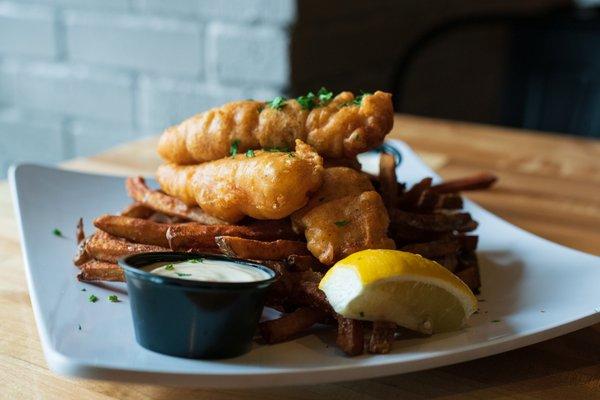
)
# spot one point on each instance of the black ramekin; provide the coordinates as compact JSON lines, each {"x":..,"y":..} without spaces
{"x":193,"y":319}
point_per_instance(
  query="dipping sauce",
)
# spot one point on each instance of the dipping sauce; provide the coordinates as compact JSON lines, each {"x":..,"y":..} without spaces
{"x":208,"y":270}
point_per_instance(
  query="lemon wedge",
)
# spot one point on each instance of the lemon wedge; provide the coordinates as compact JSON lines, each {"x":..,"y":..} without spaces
{"x":400,"y":287}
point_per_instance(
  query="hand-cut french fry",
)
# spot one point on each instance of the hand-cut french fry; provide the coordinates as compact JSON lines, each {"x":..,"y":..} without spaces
{"x":137,"y":210}
{"x":290,"y":325}
{"x":468,"y":270}
{"x":434,"y":249}
{"x":448,"y":261}
{"x":427,"y":202}
{"x":409,"y":199}
{"x":256,"y":250}
{"x":95,"y":270}
{"x":134,"y":229}
{"x":475,"y":182}
{"x":470,"y":276}
{"x":105,"y":247}
{"x":194,"y":235}
{"x":468,"y":242}
{"x":80,"y":233}
{"x":435,"y":222}
{"x":382,"y":337}
{"x":387,"y":180}
{"x":450,"y":201}
{"x":158,"y":201}
{"x":304,"y":263}
{"x":350,"y":336}
{"x":81,"y":257}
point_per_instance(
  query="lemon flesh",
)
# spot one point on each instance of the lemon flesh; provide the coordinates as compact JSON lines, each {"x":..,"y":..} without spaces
{"x":401,"y":287}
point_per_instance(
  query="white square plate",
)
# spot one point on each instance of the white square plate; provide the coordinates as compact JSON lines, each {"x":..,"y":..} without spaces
{"x":533,"y":290}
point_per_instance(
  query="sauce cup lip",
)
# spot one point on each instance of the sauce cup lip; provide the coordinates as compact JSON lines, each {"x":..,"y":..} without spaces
{"x":132,"y":264}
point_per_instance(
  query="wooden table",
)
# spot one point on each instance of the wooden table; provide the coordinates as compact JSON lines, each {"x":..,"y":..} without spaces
{"x":549,"y":185}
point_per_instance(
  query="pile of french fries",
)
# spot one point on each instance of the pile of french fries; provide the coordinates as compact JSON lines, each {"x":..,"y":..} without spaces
{"x":424,"y":219}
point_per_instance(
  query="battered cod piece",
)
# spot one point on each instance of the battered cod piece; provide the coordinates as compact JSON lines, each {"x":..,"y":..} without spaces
{"x":346,"y":215}
{"x":341,"y":128}
{"x":261,"y":184}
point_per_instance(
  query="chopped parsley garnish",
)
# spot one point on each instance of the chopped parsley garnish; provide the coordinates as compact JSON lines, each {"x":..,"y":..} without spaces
{"x":57,"y":232}
{"x":277,"y":103}
{"x":495,"y":320}
{"x":84,"y":290}
{"x":307,"y":102}
{"x":325,"y":96}
{"x":196,"y":261}
{"x":79,"y":327}
{"x":182,"y":274}
{"x":357,"y":100}
{"x":93,"y":298}
{"x":291,"y":155}
{"x":169,"y":267}
{"x":362,"y":314}
{"x":342,"y":223}
{"x":234,"y":147}
{"x":250,"y":153}
{"x":277,"y":149}
{"x":113,"y":298}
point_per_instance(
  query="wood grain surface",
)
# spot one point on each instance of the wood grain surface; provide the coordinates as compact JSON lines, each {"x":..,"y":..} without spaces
{"x":549,"y":185}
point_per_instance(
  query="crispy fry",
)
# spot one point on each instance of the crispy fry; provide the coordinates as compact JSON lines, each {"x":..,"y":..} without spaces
{"x":105,"y":247}
{"x":468,"y":270}
{"x":350,"y":336}
{"x":81,"y":257}
{"x":134,"y":229}
{"x":158,"y":201}
{"x":479,"y":181}
{"x":436,"y":222}
{"x":434,"y":249}
{"x":290,"y":325}
{"x":470,"y":276}
{"x":304,"y":263}
{"x":95,"y":270}
{"x":450,"y":201}
{"x":382,"y":337}
{"x":80,"y":233}
{"x":137,"y":210}
{"x":387,"y":180}
{"x":411,"y":197}
{"x":427,"y":202}
{"x":448,"y":261}
{"x":257,"y":250}
{"x":194,"y":235}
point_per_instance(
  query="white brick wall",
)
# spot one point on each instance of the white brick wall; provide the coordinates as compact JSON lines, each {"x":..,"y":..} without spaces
{"x":84,"y":75}
{"x":164,"y":46}
{"x":27,"y":31}
{"x":31,"y":137}
{"x":237,"y":54}
{"x":72,"y":90}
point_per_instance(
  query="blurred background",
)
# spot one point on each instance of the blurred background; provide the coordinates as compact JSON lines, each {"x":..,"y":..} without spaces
{"x":80,"y":76}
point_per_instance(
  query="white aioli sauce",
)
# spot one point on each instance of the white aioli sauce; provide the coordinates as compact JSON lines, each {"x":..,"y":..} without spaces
{"x":207,"y":270}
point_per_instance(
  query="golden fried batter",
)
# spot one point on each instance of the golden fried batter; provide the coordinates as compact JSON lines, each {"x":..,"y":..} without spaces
{"x":262,"y":185}
{"x":344,"y":216}
{"x":346,"y":225}
{"x":336,"y":130}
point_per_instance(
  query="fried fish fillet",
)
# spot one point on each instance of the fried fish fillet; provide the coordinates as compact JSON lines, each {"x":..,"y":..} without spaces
{"x":261,"y":184}
{"x":346,"y":215}
{"x":341,"y":128}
